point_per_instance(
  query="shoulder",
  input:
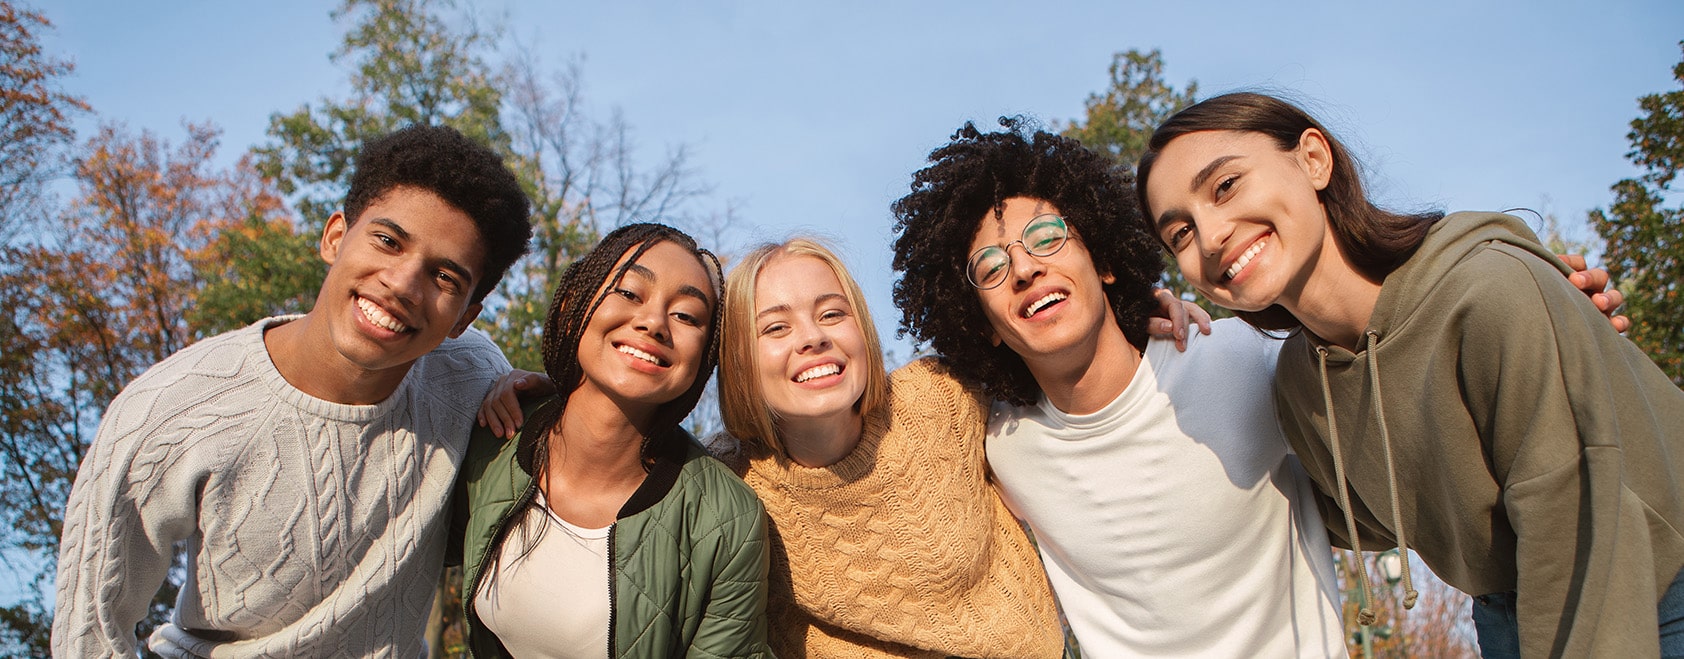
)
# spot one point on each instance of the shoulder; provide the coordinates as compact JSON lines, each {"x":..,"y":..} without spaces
{"x":705,"y":476}
{"x":471,"y":354}
{"x":1233,"y":348}
{"x":191,"y":381}
{"x":925,"y":382}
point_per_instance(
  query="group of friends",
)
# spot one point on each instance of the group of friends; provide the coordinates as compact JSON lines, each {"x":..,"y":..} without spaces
{"x":1182,"y":481}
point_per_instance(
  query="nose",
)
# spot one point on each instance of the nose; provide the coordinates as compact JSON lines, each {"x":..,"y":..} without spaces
{"x":1024,"y":267}
{"x":406,"y":280}
{"x":652,"y":320}
{"x":813,"y":338}
{"x":1211,"y":233}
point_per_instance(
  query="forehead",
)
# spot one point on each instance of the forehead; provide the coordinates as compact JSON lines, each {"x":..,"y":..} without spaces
{"x":668,"y":264}
{"x":791,"y":278}
{"x":1014,"y":214}
{"x":426,"y":221}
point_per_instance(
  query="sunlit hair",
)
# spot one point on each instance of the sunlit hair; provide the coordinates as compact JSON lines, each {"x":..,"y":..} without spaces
{"x":742,"y":401}
{"x":970,"y":178}
{"x":582,"y":288}
{"x":1376,"y":240}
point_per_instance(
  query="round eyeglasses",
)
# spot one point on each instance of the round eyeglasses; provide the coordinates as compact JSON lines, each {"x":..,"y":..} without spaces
{"x":1043,"y":236}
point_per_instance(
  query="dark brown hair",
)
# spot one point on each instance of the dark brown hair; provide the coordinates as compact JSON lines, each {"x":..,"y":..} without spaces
{"x":1376,"y":240}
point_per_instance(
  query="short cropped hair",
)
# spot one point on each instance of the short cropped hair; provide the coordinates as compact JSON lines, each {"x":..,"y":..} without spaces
{"x":465,"y":174}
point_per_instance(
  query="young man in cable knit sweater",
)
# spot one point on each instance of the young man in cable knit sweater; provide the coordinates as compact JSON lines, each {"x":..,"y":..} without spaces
{"x":306,"y":462}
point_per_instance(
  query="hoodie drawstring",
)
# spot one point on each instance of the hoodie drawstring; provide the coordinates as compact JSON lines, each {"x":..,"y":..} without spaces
{"x":1365,"y":611}
{"x":1409,"y":593}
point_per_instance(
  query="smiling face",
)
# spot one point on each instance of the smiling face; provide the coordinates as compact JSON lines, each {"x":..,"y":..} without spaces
{"x":1242,"y":216}
{"x":1046,"y":304}
{"x":643,"y":346}
{"x":810,"y":352}
{"x":400,"y":280}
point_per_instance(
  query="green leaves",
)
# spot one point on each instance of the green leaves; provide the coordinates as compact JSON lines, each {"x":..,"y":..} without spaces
{"x":1645,"y":239}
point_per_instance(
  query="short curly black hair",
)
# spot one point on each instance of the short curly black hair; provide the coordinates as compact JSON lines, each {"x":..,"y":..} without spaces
{"x":973,"y":175}
{"x":466,"y":174}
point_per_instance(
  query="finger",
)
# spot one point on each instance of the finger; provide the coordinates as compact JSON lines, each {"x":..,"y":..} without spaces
{"x":1621,"y":323}
{"x":1615,"y":299}
{"x":1574,"y":261}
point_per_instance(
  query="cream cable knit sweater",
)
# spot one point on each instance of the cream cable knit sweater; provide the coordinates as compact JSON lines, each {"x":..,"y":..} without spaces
{"x":903,"y":549}
{"x":312,"y":529}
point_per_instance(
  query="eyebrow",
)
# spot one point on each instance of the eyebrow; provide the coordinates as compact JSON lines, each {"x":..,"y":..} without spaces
{"x":1209,"y":170}
{"x":692,"y":291}
{"x":446,"y":263}
{"x":780,"y":308}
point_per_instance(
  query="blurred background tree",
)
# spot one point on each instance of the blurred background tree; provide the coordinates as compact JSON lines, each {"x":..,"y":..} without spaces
{"x":1644,"y":229}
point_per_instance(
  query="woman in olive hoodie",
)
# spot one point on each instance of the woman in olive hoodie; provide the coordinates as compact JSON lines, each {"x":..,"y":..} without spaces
{"x":602,"y":528}
{"x":1446,"y":388}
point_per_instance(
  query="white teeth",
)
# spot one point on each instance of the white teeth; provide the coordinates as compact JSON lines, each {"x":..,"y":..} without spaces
{"x":379,"y":317}
{"x":818,"y":372}
{"x":640,"y":355}
{"x":1042,"y":303}
{"x":1250,"y":253}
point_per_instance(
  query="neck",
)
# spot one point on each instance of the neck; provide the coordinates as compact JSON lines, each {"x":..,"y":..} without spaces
{"x":820,"y":442}
{"x":305,"y":357}
{"x":1083,"y":379}
{"x":596,"y":442}
{"x":1335,"y":301}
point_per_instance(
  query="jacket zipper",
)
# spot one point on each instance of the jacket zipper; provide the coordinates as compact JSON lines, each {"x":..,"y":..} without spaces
{"x":611,"y":593}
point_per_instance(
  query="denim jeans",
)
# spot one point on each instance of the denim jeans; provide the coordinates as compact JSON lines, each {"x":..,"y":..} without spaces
{"x":1499,"y":629}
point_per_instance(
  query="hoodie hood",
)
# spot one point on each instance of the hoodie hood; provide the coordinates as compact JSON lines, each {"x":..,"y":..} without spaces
{"x":1449,"y":241}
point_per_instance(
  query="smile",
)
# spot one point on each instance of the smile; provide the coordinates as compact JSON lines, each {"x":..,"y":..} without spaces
{"x":379,"y":318}
{"x":819,"y":372}
{"x":1250,"y":253}
{"x":641,"y":355}
{"x":1045,"y":301}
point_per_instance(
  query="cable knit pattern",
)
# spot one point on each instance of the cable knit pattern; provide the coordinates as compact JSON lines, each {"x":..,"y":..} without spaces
{"x":312,"y":528}
{"x":903,"y":549}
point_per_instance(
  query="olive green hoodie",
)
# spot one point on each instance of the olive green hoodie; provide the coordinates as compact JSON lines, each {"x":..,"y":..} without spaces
{"x":1531,"y":447}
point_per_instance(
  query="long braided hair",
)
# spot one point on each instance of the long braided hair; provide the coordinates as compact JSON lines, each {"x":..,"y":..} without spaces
{"x":583,"y":287}
{"x":590,"y":279}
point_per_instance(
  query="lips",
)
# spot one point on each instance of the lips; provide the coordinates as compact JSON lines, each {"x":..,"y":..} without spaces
{"x":378,"y":316}
{"x":641,"y":354}
{"x":1043,"y":302}
{"x":1245,"y":258}
{"x":822,"y":370}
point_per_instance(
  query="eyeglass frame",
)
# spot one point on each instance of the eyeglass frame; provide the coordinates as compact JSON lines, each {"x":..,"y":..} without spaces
{"x":1064,"y":229}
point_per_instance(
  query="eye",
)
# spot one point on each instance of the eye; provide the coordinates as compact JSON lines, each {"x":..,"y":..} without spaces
{"x":386,"y":241}
{"x":1224,"y":186}
{"x":447,"y":281}
{"x":832,"y":316}
{"x":627,"y":294}
{"x":775,"y":330}
{"x":1178,"y":235}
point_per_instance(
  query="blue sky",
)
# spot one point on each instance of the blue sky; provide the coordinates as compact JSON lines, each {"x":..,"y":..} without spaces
{"x":810,"y":117}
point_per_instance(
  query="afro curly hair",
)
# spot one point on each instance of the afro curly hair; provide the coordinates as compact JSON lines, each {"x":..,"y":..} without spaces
{"x":972,"y":176}
{"x":465,"y":174}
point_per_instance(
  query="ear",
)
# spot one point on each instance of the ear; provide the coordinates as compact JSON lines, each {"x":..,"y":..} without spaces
{"x":332,"y":235}
{"x":1107,"y":278}
{"x":1316,"y":156}
{"x":994,"y":338}
{"x":468,"y":316}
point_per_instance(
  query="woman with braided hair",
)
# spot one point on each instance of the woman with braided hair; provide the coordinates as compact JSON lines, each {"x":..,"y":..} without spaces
{"x":602,"y":528}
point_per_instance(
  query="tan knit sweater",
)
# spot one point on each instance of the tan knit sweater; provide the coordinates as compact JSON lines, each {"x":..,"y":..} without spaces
{"x":903,"y":549}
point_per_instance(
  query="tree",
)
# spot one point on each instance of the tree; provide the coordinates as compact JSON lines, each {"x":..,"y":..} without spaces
{"x":1120,"y":122}
{"x":35,"y":117}
{"x":1644,"y":251}
{"x":85,"y":313}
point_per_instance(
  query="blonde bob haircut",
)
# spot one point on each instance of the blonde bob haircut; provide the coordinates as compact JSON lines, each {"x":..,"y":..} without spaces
{"x":741,"y":400}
